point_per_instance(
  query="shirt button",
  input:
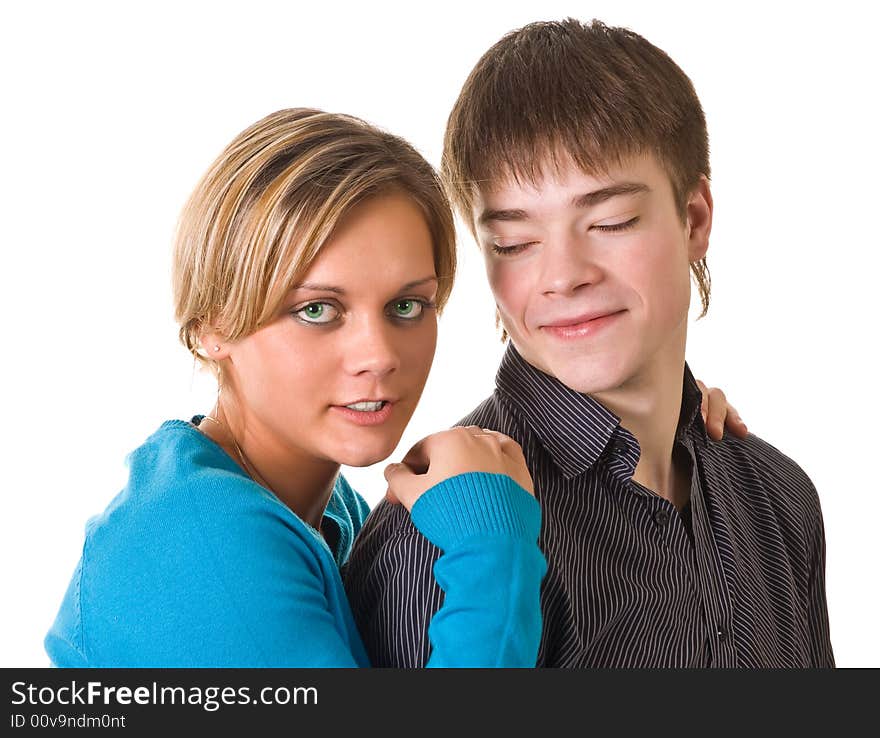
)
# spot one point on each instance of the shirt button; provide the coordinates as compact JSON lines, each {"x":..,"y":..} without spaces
{"x":620,"y":447}
{"x":722,"y":635}
{"x":661,"y":518}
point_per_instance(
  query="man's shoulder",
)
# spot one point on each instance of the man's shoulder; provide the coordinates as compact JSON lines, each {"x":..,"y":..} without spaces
{"x":497,"y":413}
{"x":389,"y":521}
{"x":385,"y":523}
{"x":755,"y":467}
{"x":388,"y":547}
{"x":488,"y":411}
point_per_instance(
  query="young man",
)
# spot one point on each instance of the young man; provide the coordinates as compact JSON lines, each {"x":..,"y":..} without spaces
{"x":578,"y":156}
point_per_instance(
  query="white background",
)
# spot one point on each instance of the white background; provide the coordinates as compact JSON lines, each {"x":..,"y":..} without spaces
{"x":112,"y":111}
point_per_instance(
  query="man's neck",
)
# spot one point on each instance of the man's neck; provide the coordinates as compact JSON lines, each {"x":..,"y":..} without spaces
{"x":649,"y":406}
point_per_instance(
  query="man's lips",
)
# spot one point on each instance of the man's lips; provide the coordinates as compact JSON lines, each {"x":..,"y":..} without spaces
{"x":581,"y":326}
{"x":579,"y":319}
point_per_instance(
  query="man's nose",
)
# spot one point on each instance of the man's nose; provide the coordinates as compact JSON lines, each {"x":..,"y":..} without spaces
{"x":566,"y":265}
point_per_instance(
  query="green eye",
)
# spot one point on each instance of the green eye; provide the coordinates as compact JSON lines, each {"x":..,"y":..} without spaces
{"x":407,"y":309}
{"x":317,"y":312}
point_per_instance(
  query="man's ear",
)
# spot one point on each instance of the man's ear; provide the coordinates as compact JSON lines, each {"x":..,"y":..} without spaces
{"x":214,"y":345}
{"x":699,"y":220}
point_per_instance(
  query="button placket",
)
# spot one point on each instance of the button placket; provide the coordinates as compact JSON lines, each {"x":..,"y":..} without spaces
{"x":661,"y":518}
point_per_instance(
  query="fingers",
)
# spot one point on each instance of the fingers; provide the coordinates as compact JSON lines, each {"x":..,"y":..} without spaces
{"x":510,"y":447}
{"x":716,"y":414}
{"x":735,"y":424}
{"x":704,"y":403}
{"x":400,"y":478}
{"x":391,"y":497}
{"x":446,"y":454}
{"x":389,"y":492}
{"x":517,"y":468}
{"x":719,"y":415}
{"x":417,"y":458}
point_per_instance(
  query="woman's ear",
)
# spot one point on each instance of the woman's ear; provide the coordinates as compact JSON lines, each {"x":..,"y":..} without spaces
{"x":214,"y":345}
{"x":699,"y":220}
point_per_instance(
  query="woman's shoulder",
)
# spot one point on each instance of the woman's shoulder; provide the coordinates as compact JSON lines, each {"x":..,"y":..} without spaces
{"x":188,"y":537}
{"x":181,"y":462}
{"x":179,"y":479}
{"x":179,"y":453}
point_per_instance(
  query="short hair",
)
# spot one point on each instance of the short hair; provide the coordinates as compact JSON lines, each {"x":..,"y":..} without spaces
{"x":258,"y":218}
{"x":595,"y":93}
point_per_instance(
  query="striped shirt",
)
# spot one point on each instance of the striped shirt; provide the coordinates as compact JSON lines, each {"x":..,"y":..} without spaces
{"x":737,"y":579}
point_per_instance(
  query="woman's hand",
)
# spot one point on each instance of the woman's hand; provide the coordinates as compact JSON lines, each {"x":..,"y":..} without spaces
{"x":452,"y":452}
{"x":718,"y":414}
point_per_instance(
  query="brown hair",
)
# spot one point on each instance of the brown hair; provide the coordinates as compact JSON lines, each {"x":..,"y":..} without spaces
{"x":595,"y":93}
{"x":260,"y":215}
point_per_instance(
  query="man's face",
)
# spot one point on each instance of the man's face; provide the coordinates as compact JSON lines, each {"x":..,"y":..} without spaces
{"x":591,"y":273}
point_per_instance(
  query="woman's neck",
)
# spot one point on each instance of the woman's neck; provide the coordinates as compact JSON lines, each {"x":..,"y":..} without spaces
{"x":302,"y":482}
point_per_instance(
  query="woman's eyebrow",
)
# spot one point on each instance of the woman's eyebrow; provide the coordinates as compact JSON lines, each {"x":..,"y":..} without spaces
{"x":418,"y":282}
{"x":317,"y":287}
{"x":313,"y":286}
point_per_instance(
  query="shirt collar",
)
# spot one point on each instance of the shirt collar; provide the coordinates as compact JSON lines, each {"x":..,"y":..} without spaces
{"x":574,"y":428}
{"x":690,"y":420}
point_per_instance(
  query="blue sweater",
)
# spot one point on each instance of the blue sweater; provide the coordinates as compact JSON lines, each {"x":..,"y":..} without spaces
{"x":193,"y":564}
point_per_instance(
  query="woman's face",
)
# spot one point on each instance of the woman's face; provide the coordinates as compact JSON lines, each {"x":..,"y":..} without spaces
{"x":337,"y":374}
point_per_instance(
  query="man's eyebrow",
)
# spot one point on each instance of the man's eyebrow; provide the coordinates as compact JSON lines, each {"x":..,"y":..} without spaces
{"x":313,"y":286}
{"x":490,"y":216}
{"x":590,"y":199}
{"x":587,"y":200}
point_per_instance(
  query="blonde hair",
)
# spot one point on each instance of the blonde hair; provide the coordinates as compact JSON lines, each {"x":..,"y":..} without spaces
{"x":260,"y":215}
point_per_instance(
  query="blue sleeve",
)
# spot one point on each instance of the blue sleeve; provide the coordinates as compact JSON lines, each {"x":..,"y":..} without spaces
{"x":237,"y":584}
{"x":286,"y":600}
{"x":223,"y":579}
{"x":490,"y":571}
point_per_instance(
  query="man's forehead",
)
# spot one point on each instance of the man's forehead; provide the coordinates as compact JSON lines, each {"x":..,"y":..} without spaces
{"x":554,"y":173}
{"x":511,"y":197}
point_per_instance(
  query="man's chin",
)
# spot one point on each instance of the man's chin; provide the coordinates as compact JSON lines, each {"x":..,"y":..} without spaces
{"x":591,"y":377}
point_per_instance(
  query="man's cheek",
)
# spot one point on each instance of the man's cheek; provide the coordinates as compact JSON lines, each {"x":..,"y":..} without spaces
{"x":512,"y":284}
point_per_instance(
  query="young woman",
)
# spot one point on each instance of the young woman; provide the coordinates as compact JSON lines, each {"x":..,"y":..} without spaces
{"x":310,"y":265}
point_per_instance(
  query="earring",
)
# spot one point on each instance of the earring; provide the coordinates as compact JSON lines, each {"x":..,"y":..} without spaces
{"x":216,"y":347}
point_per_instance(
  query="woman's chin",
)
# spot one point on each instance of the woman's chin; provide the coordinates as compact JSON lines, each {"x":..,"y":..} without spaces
{"x":358,"y":457}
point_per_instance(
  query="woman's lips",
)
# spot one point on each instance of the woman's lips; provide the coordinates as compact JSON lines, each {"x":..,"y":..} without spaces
{"x":582,"y":327}
{"x":365,"y":417}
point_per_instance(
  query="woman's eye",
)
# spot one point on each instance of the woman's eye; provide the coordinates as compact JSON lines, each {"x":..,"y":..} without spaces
{"x":407,"y":309}
{"x":317,"y":312}
{"x":614,"y":227}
